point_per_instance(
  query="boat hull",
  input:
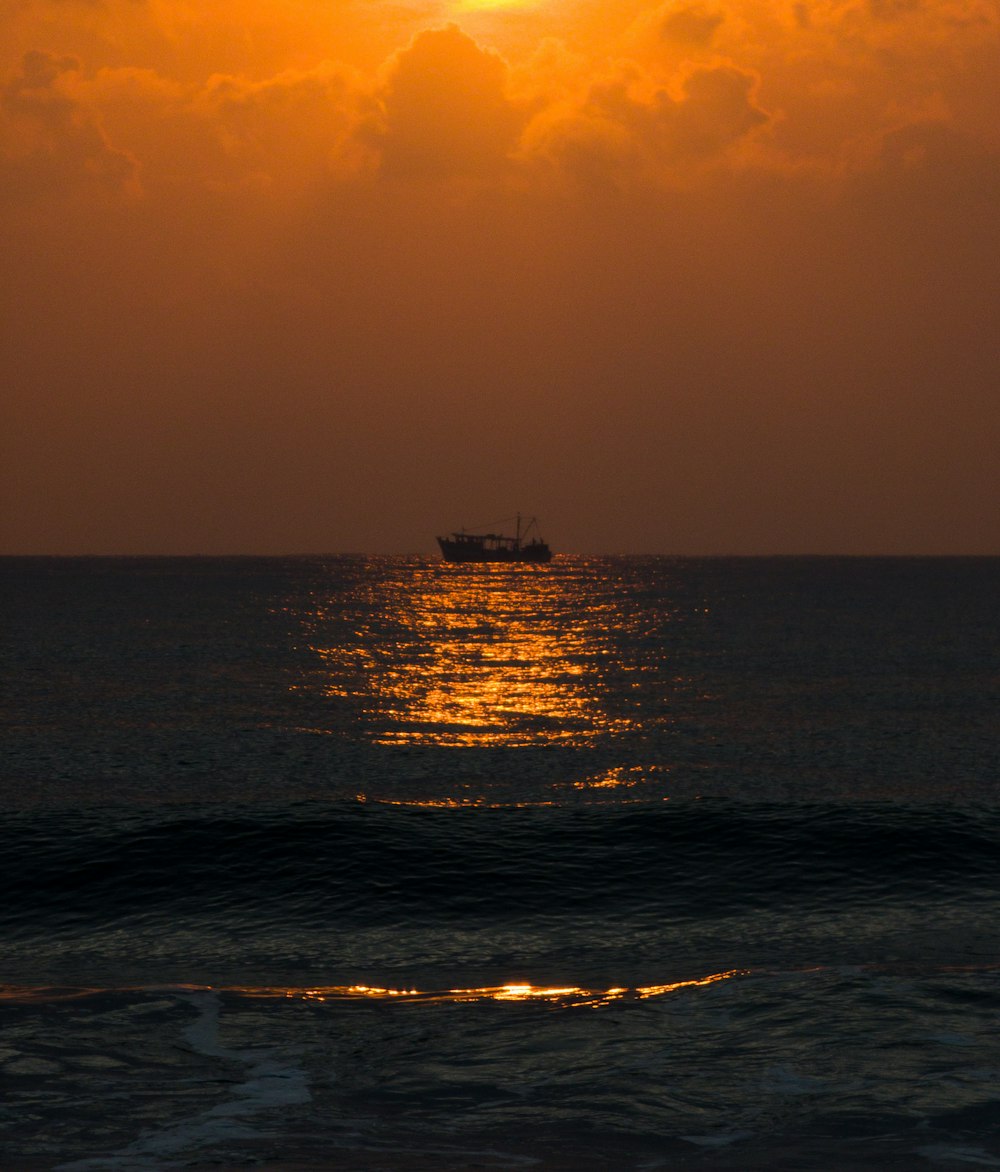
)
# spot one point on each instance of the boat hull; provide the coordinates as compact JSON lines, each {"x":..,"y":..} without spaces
{"x":535,"y":552}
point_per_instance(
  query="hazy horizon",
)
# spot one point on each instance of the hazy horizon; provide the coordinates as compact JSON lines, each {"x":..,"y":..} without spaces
{"x":432,"y":555}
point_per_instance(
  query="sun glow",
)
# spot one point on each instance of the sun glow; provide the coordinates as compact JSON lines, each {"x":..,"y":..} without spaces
{"x":466,"y":6}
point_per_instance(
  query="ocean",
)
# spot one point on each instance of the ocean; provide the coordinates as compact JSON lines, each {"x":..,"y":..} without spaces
{"x":385,"y":863}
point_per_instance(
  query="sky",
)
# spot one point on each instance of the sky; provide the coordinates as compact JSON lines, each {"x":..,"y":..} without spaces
{"x":693,"y":277}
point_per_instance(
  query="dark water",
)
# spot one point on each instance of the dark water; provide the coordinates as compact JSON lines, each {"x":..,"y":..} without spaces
{"x":617,"y":863}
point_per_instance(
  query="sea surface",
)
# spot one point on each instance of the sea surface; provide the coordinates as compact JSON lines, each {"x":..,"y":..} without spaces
{"x":616,"y":863}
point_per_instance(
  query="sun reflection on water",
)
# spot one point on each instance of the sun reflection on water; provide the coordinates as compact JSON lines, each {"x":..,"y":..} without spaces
{"x":473,"y":656}
{"x":561,"y":995}
{"x":574,"y":995}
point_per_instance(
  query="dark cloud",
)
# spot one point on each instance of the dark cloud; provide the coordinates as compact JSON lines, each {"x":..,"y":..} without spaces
{"x":692,"y":24}
{"x":35,"y":91}
{"x":893,"y":9}
{"x":444,"y":108}
{"x":54,"y":143}
{"x":718,"y":108}
{"x":622,"y":126}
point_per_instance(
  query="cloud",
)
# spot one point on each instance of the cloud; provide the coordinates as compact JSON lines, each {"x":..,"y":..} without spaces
{"x":893,"y":9}
{"x":291,"y":127}
{"x":717,"y":108}
{"x":625,"y":122}
{"x":692,"y":24}
{"x":52,"y":143}
{"x":444,"y":109}
{"x":941,"y":177}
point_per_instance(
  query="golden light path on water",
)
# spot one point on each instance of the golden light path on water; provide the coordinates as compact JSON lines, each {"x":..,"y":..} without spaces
{"x":563,"y":994}
{"x":570,"y":995}
{"x":487,"y":656}
{"x":615,"y":778}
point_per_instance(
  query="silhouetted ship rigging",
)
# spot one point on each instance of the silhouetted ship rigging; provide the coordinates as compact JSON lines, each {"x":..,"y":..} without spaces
{"x":494,"y":547}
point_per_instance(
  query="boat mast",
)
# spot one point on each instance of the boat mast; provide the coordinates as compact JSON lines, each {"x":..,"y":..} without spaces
{"x":517,"y":542}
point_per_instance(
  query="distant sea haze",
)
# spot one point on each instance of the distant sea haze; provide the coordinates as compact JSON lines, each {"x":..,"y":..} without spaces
{"x":389,"y":863}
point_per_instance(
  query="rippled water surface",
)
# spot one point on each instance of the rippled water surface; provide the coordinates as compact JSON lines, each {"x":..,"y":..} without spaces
{"x":610,"y":863}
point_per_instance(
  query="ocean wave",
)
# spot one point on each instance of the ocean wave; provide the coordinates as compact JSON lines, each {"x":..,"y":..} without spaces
{"x":373,"y":863}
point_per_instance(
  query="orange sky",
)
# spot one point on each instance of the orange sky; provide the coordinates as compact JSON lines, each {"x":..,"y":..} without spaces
{"x":694,"y":277}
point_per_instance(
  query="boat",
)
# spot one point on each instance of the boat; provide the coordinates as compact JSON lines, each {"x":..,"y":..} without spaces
{"x":525,"y":546}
